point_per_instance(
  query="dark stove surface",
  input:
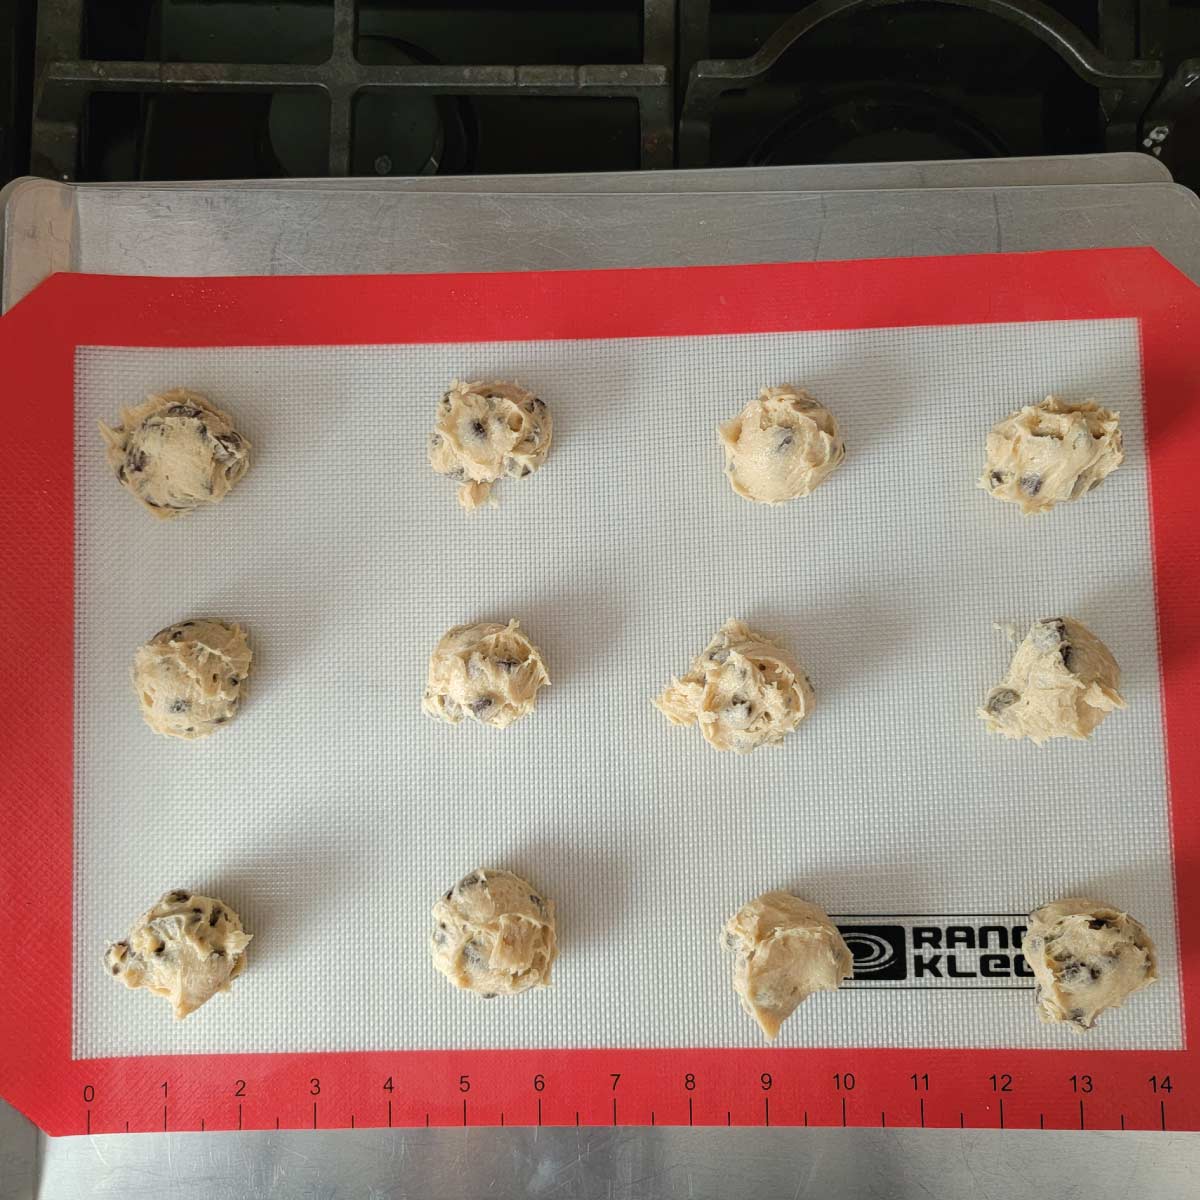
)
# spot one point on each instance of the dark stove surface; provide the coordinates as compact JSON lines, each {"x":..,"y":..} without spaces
{"x":193,"y":89}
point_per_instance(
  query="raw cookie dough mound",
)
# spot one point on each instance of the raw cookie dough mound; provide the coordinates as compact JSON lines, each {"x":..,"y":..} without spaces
{"x":187,"y":948}
{"x":494,"y":935}
{"x":1062,"y":682}
{"x":743,"y":690}
{"x":191,"y":677}
{"x":176,"y":452}
{"x":488,"y":672}
{"x":784,"y":950}
{"x":485,"y":431}
{"x":1048,"y":453}
{"x":1086,"y":956}
{"x":781,"y":446}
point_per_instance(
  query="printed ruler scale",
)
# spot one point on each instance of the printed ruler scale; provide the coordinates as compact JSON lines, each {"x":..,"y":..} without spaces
{"x":1071,"y":1086}
{"x":973,"y":1089}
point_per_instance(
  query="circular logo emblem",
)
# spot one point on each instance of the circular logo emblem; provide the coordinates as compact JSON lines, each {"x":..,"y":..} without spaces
{"x":871,"y":952}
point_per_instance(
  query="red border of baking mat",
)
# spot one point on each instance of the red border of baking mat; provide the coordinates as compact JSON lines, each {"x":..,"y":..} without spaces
{"x":1062,"y":1088}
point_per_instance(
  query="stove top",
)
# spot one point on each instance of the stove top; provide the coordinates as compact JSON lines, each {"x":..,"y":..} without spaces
{"x":203,"y":89}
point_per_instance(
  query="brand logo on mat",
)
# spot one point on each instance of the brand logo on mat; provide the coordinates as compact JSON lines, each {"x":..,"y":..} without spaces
{"x":917,"y":951}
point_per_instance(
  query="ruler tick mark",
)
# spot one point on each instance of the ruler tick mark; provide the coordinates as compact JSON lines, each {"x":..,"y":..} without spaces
{"x":276,"y":1122}
{"x":843,"y":1111}
{"x":961,"y":1123}
{"x":1041,"y":1120}
{"x":1122,"y":1120}
{"x":464,"y":1114}
{"x":576,"y":1120}
{"x":767,"y":1111}
{"x":501,"y":1120}
{"x":539,"y":1110}
{"x":883,"y":1120}
{"x":351,"y":1120}
{"x":164,"y":1118}
{"x":806,"y":1117}
{"x":89,"y":1120}
{"x":239,"y":1116}
{"x":689,"y":1111}
{"x":1162,"y":1115}
{"x":201,"y":1124}
{"x":614,"y":1110}
{"x":922,"y":1112}
{"x":1001,"y":1112}
{"x":1081,"y":1124}
{"x":389,"y":1114}
{"x":652,"y":1116}
{"x":426,"y":1120}
{"x":314,"y":1114}
{"x":126,"y":1126}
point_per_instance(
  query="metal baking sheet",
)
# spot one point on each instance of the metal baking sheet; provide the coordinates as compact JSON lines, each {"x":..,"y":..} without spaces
{"x":1119,"y":167}
{"x":48,"y":226}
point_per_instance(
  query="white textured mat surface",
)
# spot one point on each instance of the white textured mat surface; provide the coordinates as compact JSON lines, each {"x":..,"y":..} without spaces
{"x":332,"y":812}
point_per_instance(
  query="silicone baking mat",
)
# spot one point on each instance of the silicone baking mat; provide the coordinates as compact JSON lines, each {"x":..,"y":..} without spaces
{"x":333,"y":812}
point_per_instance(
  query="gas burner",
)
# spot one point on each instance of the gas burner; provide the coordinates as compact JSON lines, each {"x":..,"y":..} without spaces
{"x":876,"y":123}
{"x":394,"y":133}
{"x":889,"y":80}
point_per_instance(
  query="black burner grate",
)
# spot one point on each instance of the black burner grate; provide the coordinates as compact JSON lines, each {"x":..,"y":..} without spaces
{"x":179,"y":89}
{"x":97,"y":112}
{"x":998,"y":76}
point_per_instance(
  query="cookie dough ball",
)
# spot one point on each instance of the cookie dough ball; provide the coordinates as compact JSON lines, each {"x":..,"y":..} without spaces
{"x":1062,"y":682}
{"x":488,"y":672}
{"x":176,"y":452}
{"x":494,"y":935}
{"x":190,"y":677}
{"x":743,"y":690}
{"x":485,"y":431}
{"x":187,"y":948}
{"x":784,"y":950}
{"x":1045,"y":454}
{"x":781,"y":446}
{"x":1086,"y":956}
